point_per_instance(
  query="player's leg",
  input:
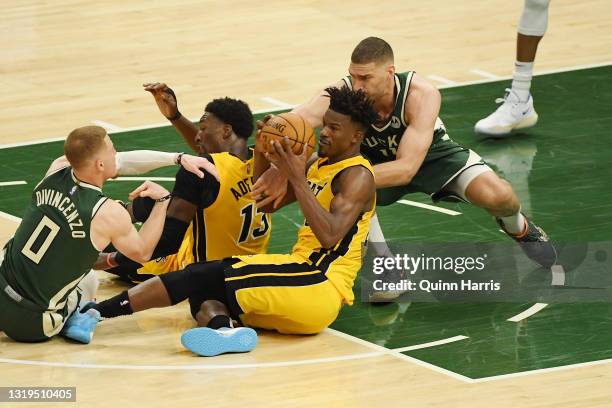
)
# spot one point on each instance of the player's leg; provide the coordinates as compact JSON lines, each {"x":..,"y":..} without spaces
{"x":22,"y":320}
{"x":162,"y":291}
{"x":201,"y":280}
{"x":517,"y":111}
{"x":480,"y":186}
{"x":213,"y":314}
{"x":216,"y":333}
{"x":19,"y":323}
{"x":283,"y":293}
{"x":79,"y":326}
{"x":376,"y":239}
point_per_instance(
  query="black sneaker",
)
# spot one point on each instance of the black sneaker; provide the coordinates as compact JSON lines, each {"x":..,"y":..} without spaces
{"x":383,"y":297}
{"x":535,"y":243}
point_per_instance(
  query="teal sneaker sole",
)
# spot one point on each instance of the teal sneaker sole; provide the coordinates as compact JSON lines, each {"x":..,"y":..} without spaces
{"x":208,"y":342}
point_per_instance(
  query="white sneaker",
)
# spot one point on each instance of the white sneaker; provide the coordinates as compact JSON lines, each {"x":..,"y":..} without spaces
{"x":511,"y":115}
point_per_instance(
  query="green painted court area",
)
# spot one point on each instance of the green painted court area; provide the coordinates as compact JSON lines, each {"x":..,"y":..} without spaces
{"x":561,"y":170}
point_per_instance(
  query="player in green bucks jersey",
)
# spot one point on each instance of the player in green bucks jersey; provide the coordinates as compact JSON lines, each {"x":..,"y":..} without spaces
{"x":412,"y":152}
{"x":45,"y":267}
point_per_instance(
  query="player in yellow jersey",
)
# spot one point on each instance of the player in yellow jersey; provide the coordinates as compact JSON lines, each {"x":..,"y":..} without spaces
{"x":301,"y":292}
{"x":207,"y":219}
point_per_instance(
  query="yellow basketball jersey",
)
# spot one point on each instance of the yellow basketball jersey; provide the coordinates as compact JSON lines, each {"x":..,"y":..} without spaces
{"x":342,"y":262}
{"x":231,"y":225}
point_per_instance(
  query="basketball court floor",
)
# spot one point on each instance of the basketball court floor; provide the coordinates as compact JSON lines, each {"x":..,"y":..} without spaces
{"x":69,"y":64}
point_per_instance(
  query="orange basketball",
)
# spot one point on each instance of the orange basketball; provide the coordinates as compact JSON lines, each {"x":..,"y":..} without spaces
{"x":292,"y":126}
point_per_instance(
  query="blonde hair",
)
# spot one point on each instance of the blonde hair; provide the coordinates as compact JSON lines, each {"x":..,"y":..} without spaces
{"x":82,"y":144}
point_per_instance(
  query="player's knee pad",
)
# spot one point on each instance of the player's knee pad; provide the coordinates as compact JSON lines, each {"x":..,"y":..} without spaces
{"x":142,"y":207}
{"x":534,"y":19}
{"x":88,"y":286}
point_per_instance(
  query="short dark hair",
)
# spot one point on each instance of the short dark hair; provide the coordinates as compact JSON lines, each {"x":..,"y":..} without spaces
{"x":355,"y":104}
{"x":372,"y":49}
{"x":233,"y":112}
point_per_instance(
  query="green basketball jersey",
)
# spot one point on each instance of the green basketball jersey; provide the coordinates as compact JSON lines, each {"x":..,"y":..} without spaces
{"x":52,"y":248}
{"x":381,"y":143}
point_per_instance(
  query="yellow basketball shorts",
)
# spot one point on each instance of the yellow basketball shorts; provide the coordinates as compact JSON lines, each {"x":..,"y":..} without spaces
{"x":163,"y":265}
{"x":174,"y":262}
{"x":281,"y":292}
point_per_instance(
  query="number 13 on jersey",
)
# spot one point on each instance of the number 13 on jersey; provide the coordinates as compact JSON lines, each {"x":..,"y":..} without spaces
{"x":255,"y":224}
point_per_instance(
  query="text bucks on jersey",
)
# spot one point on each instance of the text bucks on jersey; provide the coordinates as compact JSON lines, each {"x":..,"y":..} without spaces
{"x":381,"y":143}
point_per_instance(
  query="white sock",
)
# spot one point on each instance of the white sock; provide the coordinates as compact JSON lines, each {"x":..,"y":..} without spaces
{"x":521,"y":79}
{"x":377,"y":239}
{"x":514,"y":224}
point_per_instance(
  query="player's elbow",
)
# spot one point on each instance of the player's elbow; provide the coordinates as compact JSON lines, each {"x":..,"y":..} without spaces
{"x":404,"y":178}
{"x":329,"y":240}
{"x":142,"y":255}
{"x":404,"y":175}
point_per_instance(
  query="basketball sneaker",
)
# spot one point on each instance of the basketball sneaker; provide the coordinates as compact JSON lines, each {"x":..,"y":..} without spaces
{"x":80,"y":326}
{"x":208,"y":342}
{"x":535,"y":243}
{"x":382,"y":297}
{"x":511,"y":115}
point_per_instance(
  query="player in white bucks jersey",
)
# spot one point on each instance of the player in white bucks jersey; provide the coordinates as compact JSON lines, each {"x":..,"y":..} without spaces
{"x":411,"y":151}
{"x":66,"y":223}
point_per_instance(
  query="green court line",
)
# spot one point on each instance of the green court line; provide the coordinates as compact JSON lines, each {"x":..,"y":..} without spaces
{"x":560,"y":169}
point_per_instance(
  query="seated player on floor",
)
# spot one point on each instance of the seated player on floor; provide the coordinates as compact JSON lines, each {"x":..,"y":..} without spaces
{"x":301,"y":292}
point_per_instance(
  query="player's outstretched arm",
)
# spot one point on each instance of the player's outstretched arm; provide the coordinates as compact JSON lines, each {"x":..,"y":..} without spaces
{"x":314,"y":110}
{"x":112,"y":224}
{"x":421,"y":112}
{"x":168,"y":106}
{"x":138,"y":162}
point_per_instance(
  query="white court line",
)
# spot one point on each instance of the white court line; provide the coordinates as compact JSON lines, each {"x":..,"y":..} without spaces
{"x":32,"y":142}
{"x":484,"y":74}
{"x":143,"y":179}
{"x":527,"y":313}
{"x":127,"y":129}
{"x":542,"y":371}
{"x":380,"y":351}
{"x":442,"y":80}
{"x":430,"y":344}
{"x":453,"y":85}
{"x":108,"y":126}
{"x":401,"y":356}
{"x":12,"y":183}
{"x":194,"y":366}
{"x":9,"y":217}
{"x":544,"y":72}
{"x":558,"y":275}
{"x":429,"y":207}
{"x":164,"y":124}
{"x":276,"y":102}
{"x":290,"y":220}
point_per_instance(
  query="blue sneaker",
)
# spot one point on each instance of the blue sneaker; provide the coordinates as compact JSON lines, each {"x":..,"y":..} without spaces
{"x":204,"y":341}
{"x":80,"y":326}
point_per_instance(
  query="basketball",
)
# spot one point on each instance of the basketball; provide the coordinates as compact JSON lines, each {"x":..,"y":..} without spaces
{"x":292,"y":126}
